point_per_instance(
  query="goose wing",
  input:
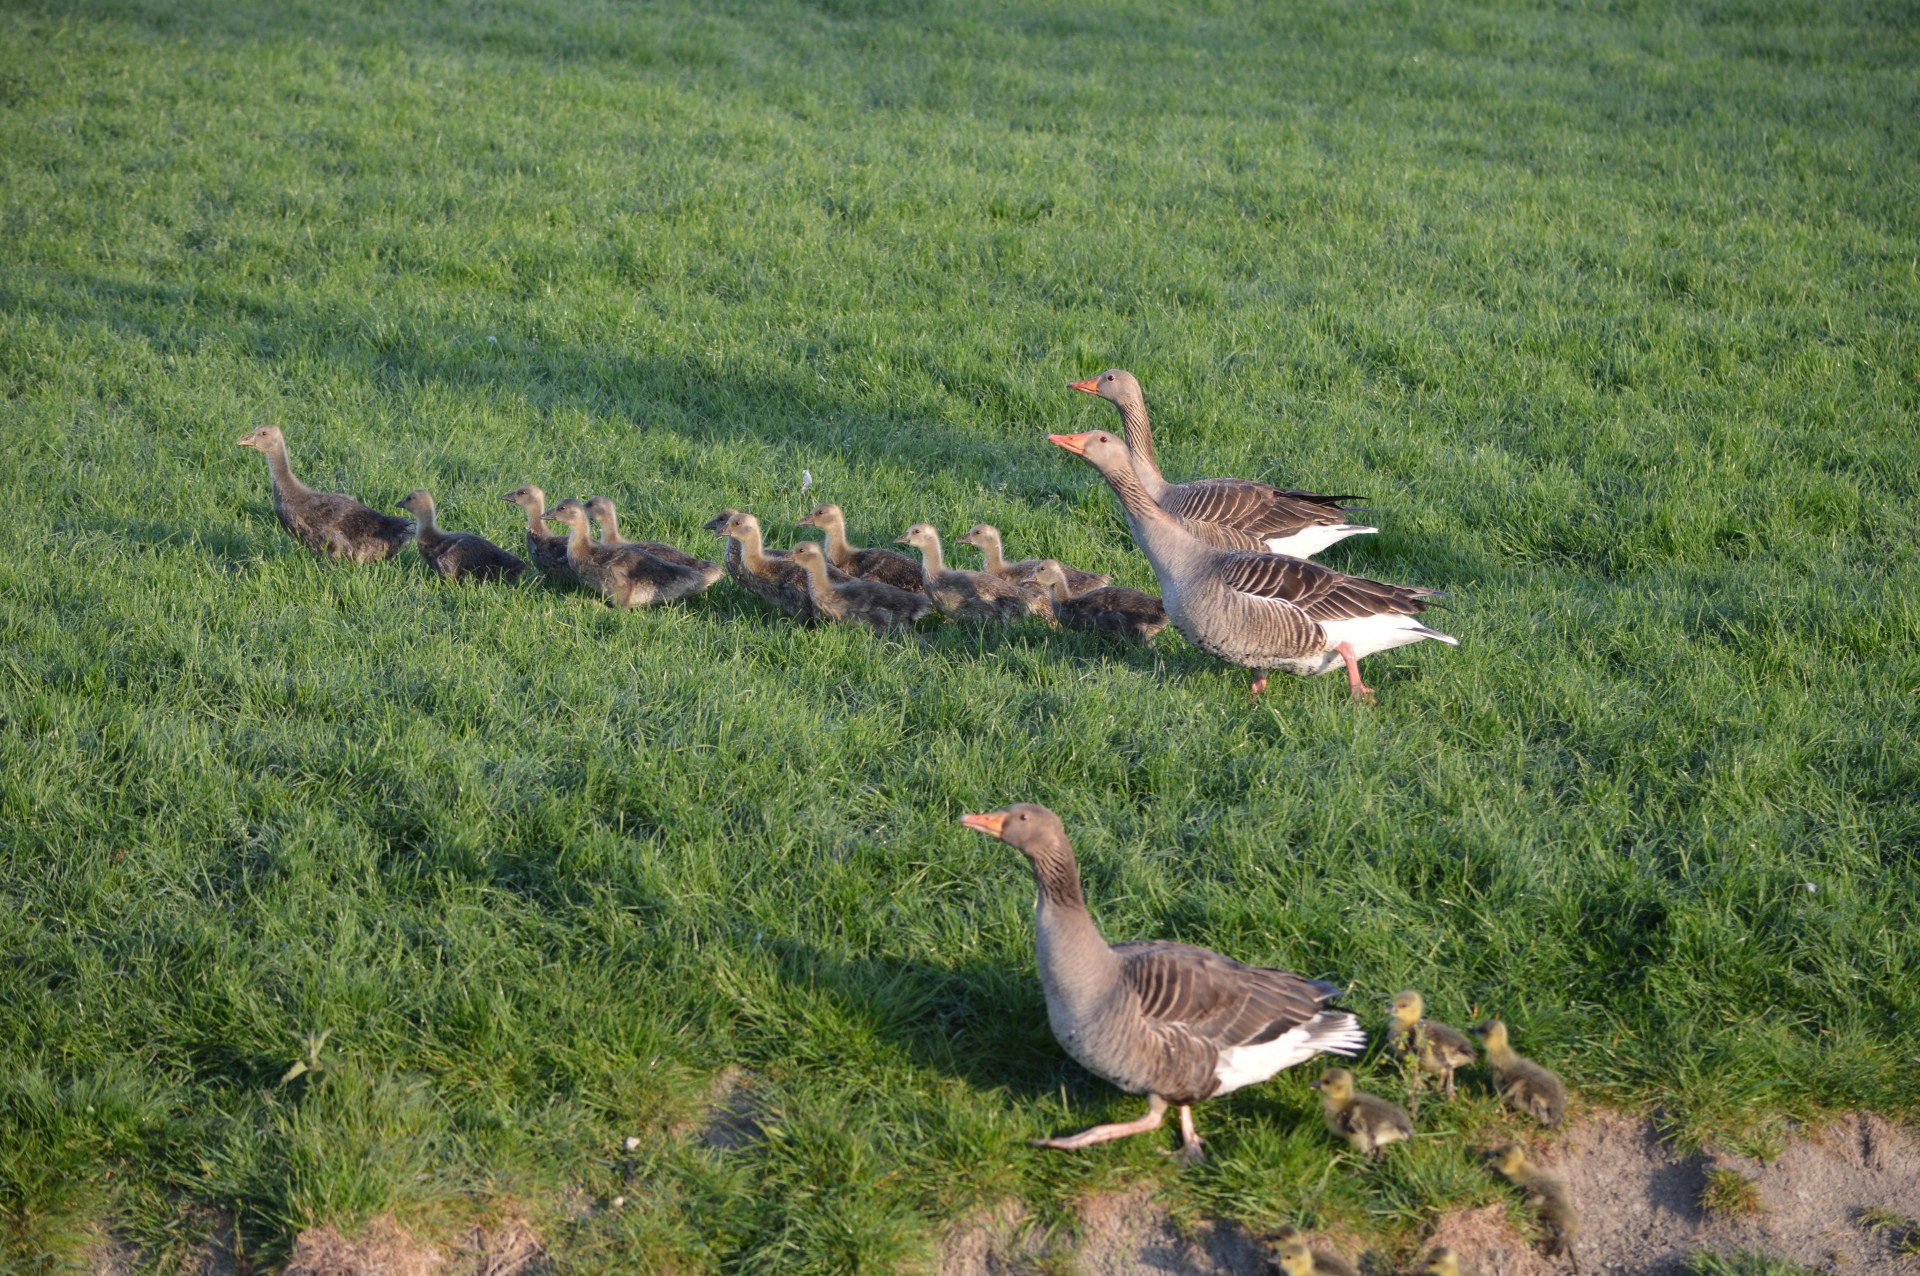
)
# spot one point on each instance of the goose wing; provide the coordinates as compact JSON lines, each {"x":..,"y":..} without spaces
{"x":1322,"y":593}
{"x":1215,"y":998}
{"x":1254,"y":507}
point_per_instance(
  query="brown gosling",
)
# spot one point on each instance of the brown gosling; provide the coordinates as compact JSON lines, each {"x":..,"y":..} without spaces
{"x":1426,"y":1046}
{"x":869,"y":602}
{"x":1443,"y":1262}
{"x":884,"y":565}
{"x":770,"y":575}
{"x":1546,"y":1193}
{"x":1524,"y":1085}
{"x":625,"y":576}
{"x":1110,"y":609}
{"x":546,"y":549}
{"x":986,"y":538}
{"x":328,"y":523}
{"x":1320,"y":1262}
{"x":602,"y":511}
{"x":961,"y":594}
{"x":1366,"y":1121}
{"x":457,"y":555}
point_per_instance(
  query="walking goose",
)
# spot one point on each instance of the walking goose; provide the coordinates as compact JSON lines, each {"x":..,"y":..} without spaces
{"x":1111,"y":609}
{"x":1320,"y":1262}
{"x":768,"y":574}
{"x":545,"y":550}
{"x":1281,"y":520}
{"x":1366,"y":1121}
{"x":986,"y":538}
{"x":457,"y":555}
{"x":329,"y":523}
{"x":1524,"y":1085}
{"x":1546,"y":1193}
{"x":1259,"y":610}
{"x":626,"y":576}
{"x":1424,"y":1045}
{"x":962,"y":594}
{"x":1171,"y":1021}
{"x":869,"y":602}
{"x":884,"y":565}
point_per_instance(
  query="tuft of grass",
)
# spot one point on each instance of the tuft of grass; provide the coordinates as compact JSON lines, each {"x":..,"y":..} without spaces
{"x":1902,"y":1232}
{"x":1744,"y":1263}
{"x":1728,"y":1191}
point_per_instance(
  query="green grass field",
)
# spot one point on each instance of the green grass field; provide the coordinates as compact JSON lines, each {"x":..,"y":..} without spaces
{"x":1612,"y":311}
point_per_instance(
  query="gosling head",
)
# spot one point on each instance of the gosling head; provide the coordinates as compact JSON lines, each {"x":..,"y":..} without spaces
{"x":1335,"y":1085}
{"x":1102,"y":450}
{"x":528,"y":497}
{"x":807,"y":553}
{"x":742,"y":525}
{"x":570,"y":512}
{"x":1116,"y":385}
{"x":1051,"y":574}
{"x":1510,"y":1159}
{"x":1295,"y":1259}
{"x":1441,"y":1262}
{"x":823,"y":517}
{"x":1492,"y":1033}
{"x":600,"y":509}
{"x":264,"y":439}
{"x":718,"y":523}
{"x":418,"y":502}
{"x":1408,"y":1006}
{"x":920,"y":535}
{"x":979,"y":534}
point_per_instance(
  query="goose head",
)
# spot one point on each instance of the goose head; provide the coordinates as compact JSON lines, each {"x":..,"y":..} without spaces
{"x":1116,"y":385}
{"x":265,"y":439}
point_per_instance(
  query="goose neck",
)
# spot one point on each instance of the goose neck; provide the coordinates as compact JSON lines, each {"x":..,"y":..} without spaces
{"x":931,"y":557}
{"x":282,"y":469}
{"x":1139,"y":436}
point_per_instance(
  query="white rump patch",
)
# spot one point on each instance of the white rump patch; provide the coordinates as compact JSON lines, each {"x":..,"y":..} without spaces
{"x":1380,"y":633}
{"x":1309,"y":541}
{"x":1335,"y":1033}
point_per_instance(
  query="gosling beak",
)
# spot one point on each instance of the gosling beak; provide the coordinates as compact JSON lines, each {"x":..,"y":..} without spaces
{"x":990,"y":823}
{"x":901,"y":540}
{"x":552,"y":513}
{"x":242,"y":443}
{"x":1089,"y":386}
{"x":1074,"y":443}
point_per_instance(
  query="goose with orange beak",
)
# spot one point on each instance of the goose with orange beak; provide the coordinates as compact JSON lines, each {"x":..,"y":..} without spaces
{"x":1174,"y":1022}
{"x":1227,"y":513}
{"x":1258,"y":610}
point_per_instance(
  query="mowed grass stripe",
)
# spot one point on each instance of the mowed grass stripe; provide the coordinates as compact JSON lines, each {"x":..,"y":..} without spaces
{"x":1610,"y":312}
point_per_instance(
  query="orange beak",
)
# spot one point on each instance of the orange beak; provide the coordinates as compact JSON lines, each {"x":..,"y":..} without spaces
{"x":1074,"y":443}
{"x":989,"y":823}
{"x":1089,"y":386}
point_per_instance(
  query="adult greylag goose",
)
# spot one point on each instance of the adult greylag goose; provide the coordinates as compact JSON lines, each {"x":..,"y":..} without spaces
{"x":1174,"y":1022}
{"x":1259,"y":610}
{"x":1281,"y":520}
{"x":878,"y":606}
{"x":1318,"y":1262}
{"x":1524,"y":1085}
{"x":1111,"y":609}
{"x":626,"y":576}
{"x":1424,"y":1045}
{"x":601,"y":510}
{"x":545,"y":549}
{"x":1546,"y":1193}
{"x":1366,"y":1121}
{"x":770,"y":575}
{"x":986,"y":538}
{"x":961,"y":594}
{"x":457,"y":555}
{"x":884,"y":565}
{"x":329,"y":523}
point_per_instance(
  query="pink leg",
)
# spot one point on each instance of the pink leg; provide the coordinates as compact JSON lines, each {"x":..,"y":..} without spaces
{"x":1259,"y":685}
{"x":1360,"y":690}
{"x":1190,"y":1143}
{"x":1156,"y":1113}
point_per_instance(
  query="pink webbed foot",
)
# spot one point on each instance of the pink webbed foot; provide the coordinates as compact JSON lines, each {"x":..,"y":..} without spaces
{"x":1361,"y":691}
{"x":1156,"y":1112}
